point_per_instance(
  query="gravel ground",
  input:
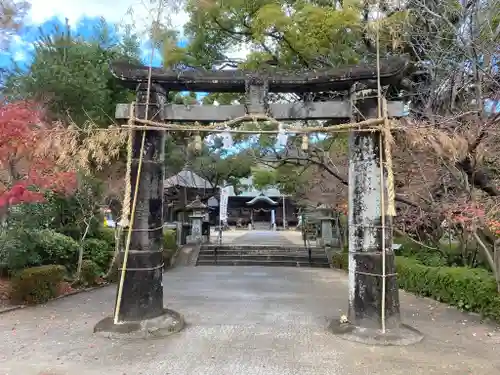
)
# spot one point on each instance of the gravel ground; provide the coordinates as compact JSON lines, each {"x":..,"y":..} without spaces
{"x":243,"y":320}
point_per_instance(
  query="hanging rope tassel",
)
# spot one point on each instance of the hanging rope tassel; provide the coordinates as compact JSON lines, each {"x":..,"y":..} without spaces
{"x":391,"y":206}
{"x":125,"y":222}
{"x":305,"y":143}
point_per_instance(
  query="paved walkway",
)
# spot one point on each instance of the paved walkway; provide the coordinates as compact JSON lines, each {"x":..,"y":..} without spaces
{"x":243,"y":320}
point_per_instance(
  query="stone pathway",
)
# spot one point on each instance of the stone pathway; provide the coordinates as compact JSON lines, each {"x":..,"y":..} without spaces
{"x":243,"y":320}
{"x":256,"y":238}
{"x":259,"y":237}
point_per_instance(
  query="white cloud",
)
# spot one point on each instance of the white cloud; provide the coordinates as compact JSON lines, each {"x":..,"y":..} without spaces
{"x":18,"y":43}
{"x":139,"y":13}
{"x":19,"y":56}
{"x":117,"y":11}
{"x":239,"y":52}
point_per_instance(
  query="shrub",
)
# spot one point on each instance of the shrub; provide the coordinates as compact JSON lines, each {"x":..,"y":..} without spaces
{"x":31,"y":215}
{"x":447,"y":254}
{"x":90,"y":272}
{"x":108,"y":235}
{"x":169,"y":239}
{"x":432,"y":258}
{"x":37,"y":284}
{"x":18,"y":250}
{"x":466,"y":288}
{"x":98,"y":251}
{"x":21,"y":248}
{"x":340,"y":260}
{"x":56,"y":248}
{"x":73,"y":230}
{"x":114,"y":274}
{"x":169,"y":245}
{"x":70,"y":214}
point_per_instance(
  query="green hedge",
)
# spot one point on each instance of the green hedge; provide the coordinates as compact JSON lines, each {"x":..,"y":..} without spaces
{"x":56,"y":248}
{"x":37,"y":284}
{"x":17,"y":250}
{"x":469,"y":289}
{"x":22,"y":248}
{"x":169,"y":245}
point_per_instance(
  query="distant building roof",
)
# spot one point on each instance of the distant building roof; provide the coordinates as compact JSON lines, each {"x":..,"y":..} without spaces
{"x":187,"y":179}
{"x":262,"y":197}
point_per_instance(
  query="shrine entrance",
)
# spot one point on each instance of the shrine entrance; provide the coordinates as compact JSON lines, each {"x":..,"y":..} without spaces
{"x":262,"y":212}
{"x":262,"y":215}
{"x":356,"y":106}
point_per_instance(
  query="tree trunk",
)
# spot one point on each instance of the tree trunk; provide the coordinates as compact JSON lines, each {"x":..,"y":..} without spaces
{"x":487,"y":255}
{"x":80,"y":251}
{"x":496,"y":258}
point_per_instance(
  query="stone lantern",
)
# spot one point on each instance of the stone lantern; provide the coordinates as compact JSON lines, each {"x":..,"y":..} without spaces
{"x":325,"y":217}
{"x":198,"y":213}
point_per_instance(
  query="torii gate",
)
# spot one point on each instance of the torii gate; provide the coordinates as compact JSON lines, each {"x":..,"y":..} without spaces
{"x":374,"y":313}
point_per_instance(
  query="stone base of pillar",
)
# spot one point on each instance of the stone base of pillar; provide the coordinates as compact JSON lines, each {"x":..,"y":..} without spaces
{"x":163,"y":325}
{"x":369,"y":308}
{"x":401,"y":335}
{"x":142,"y":313}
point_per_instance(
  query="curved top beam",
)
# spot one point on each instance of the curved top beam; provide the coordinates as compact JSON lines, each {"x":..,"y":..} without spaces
{"x":392,"y":71}
{"x":262,"y":197}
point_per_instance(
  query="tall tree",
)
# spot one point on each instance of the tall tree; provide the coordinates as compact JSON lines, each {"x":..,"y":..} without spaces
{"x":456,"y":43}
{"x":27,"y":169}
{"x":289,"y":33}
{"x":12,"y":13}
{"x":71,"y":74}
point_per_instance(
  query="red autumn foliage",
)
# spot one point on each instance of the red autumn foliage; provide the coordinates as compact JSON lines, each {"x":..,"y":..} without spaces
{"x":25,"y":175}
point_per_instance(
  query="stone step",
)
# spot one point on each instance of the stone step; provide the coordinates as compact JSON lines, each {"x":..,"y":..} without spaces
{"x":270,"y":254}
{"x":250,"y":262}
{"x":293,"y":257}
{"x":276,"y":247}
{"x":262,"y":252}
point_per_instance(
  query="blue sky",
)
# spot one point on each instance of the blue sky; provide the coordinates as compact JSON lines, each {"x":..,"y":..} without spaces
{"x":21,"y":48}
{"x":83,"y":16}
